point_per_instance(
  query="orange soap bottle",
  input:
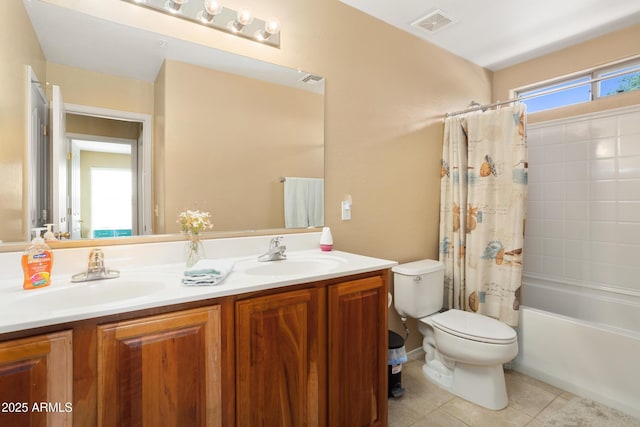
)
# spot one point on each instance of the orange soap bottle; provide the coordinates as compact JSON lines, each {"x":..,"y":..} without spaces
{"x":37,"y":262}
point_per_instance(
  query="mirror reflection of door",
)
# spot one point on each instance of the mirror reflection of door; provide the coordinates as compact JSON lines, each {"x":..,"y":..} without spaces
{"x":104,"y":177}
{"x":38,"y":153}
{"x":103,"y":187}
{"x":59,"y":174}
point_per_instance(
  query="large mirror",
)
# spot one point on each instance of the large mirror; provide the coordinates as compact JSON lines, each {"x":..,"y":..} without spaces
{"x":153,"y":126}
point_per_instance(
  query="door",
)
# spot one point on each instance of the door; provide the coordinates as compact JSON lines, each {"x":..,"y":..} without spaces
{"x":38,"y":149}
{"x":36,"y":380}
{"x":280,"y":360}
{"x":59,"y":156}
{"x":358,"y":353}
{"x":161,"y":371}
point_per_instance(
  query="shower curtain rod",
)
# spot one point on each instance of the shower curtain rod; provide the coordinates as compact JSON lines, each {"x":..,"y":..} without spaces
{"x":542,"y":93}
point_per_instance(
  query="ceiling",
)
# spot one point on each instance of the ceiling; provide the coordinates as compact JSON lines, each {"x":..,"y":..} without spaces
{"x":498,"y":33}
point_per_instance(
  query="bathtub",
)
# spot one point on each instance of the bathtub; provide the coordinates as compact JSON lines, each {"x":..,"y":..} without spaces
{"x":583,"y":340}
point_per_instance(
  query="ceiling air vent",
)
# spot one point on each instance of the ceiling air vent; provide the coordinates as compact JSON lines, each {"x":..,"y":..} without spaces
{"x":311,"y":79}
{"x":434,"y":22}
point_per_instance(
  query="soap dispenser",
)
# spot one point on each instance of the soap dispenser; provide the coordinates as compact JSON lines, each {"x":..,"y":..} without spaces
{"x":49,"y":235}
{"x":326,"y":239}
{"x":37,"y":262}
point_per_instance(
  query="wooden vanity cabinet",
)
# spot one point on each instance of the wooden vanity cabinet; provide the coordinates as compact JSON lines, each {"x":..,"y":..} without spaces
{"x":303,"y":359}
{"x":36,"y":381}
{"x":161,"y":370}
{"x":307,"y":355}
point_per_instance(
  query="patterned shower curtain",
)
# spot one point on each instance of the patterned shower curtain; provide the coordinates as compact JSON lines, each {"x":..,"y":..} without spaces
{"x":482,"y":211}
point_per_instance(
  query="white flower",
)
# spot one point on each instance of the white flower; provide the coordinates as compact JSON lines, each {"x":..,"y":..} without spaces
{"x":194,"y":221}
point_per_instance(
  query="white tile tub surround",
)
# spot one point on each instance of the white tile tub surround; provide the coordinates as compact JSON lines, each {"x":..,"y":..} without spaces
{"x":583,"y":213}
{"x":581,"y":257}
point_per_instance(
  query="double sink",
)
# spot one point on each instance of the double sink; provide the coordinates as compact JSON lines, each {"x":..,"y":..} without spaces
{"x":136,"y":286}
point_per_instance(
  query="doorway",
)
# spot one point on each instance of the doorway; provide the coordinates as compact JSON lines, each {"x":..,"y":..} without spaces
{"x":104,"y":182}
{"x":109,"y":172}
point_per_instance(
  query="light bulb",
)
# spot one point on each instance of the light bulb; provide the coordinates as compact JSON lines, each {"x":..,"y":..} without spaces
{"x":244,"y":17}
{"x":272,"y":27}
{"x":212,"y":7}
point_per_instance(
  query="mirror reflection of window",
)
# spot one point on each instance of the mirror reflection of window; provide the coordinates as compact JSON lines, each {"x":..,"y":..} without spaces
{"x":111,"y":212}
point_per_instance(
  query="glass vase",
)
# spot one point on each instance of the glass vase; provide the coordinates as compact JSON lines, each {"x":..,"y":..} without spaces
{"x":194,"y":250}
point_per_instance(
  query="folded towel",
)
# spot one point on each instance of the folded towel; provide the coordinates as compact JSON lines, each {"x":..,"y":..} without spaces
{"x":203,"y":280}
{"x":207,"y":272}
{"x":210,"y":266}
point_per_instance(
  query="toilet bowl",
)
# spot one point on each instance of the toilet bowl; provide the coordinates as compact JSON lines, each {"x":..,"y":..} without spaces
{"x":464,"y":351}
{"x":464,"y":354}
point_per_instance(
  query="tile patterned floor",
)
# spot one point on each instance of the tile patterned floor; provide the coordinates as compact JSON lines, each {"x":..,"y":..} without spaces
{"x":531,"y":403}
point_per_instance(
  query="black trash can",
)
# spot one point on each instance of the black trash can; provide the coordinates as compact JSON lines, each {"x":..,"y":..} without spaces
{"x":397,"y":356}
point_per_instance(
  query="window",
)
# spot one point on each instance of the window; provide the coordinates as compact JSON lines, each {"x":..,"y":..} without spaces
{"x":612,"y":80}
{"x":627,"y":82}
{"x":110,"y":202}
{"x":573,"y":93}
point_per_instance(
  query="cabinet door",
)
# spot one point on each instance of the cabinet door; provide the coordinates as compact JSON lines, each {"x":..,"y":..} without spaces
{"x":358,"y":353}
{"x":36,"y":380}
{"x":280,"y":367}
{"x":161,"y":370}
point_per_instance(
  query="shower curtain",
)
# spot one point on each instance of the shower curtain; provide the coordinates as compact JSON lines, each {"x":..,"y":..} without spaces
{"x":482,"y":211}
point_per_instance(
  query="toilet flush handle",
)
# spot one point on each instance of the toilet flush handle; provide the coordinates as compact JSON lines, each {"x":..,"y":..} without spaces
{"x":417,"y":279}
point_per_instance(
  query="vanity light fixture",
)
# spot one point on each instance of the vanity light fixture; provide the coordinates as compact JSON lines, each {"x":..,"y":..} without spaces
{"x":212,"y":14}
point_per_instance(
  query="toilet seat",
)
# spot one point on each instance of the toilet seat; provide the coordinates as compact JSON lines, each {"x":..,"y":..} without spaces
{"x":473,"y":326}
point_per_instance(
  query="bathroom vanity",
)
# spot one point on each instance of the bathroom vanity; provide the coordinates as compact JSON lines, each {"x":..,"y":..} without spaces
{"x":294,"y":342}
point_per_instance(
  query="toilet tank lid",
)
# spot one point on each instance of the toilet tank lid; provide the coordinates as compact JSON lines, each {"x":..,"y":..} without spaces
{"x":417,"y":268}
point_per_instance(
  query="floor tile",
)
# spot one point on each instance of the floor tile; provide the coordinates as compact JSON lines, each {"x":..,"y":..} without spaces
{"x":532,"y":403}
{"x":477,"y":416}
{"x":439,"y":418}
{"x":528,"y":396}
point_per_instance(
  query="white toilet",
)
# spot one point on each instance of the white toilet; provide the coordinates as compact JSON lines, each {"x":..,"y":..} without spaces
{"x":464,"y":351}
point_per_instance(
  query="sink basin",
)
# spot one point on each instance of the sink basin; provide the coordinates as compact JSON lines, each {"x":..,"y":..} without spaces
{"x":105,"y":292}
{"x":294,"y":266}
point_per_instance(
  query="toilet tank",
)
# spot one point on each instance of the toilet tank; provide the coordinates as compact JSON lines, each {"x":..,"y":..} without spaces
{"x":418,"y":288}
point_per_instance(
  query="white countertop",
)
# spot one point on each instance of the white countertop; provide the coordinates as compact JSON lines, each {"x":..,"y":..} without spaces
{"x":148,"y":286}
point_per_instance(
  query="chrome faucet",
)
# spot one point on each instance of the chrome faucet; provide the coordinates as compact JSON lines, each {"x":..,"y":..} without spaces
{"x":96,"y":269}
{"x":275,"y":252}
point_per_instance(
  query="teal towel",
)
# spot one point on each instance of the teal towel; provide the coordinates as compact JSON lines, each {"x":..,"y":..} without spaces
{"x":207,"y":272}
{"x":210,"y":267}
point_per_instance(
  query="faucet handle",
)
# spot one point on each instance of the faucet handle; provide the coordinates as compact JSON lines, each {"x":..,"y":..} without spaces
{"x":96,"y":259}
{"x":275,"y":242}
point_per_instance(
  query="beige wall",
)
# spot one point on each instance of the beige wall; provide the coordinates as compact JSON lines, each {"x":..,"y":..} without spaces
{"x":613,"y":47}
{"x":98,"y":126}
{"x":101,"y":90}
{"x":18,"y":48}
{"x":227,"y":141}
